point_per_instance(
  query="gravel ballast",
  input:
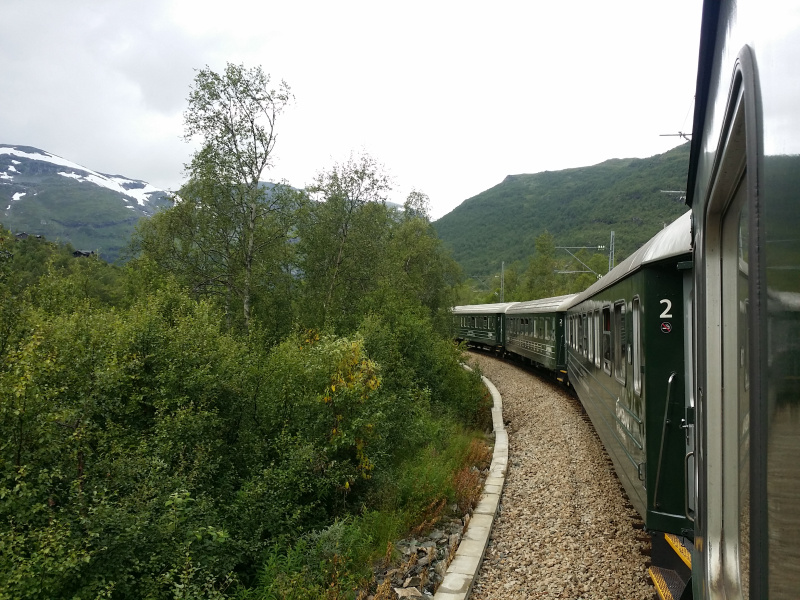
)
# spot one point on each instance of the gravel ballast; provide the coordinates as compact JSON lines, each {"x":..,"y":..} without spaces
{"x":564,"y":528}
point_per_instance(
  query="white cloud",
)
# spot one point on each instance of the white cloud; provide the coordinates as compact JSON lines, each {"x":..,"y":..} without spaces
{"x":451,"y":96}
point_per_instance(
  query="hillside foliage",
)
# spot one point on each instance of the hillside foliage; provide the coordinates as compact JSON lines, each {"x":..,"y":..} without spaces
{"x":158,"y":439}
{"x":578,"y":207}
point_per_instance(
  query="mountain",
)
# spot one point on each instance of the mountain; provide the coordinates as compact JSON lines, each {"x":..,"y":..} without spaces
{"x":44,"y":194}
{"x":579,"y":207}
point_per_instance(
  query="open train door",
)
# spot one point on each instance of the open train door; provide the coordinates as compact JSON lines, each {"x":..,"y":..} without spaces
{"x":724,"y":385}
{"x":747,"y":295}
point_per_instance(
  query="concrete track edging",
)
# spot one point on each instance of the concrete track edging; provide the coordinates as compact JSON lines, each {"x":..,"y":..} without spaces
{"x":463,"y":570}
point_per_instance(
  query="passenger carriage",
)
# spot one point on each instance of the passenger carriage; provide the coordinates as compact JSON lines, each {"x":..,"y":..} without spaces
{"x":481,"y":325}
{"x":535,"y":330}
{"x":625,"y":344}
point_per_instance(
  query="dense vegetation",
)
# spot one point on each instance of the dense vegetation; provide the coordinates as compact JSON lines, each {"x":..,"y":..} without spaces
{"x":578,"y":207}
{"x":253,"y":407}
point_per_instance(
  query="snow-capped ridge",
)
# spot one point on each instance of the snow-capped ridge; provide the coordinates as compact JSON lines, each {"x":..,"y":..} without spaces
{"x":140,"y":191}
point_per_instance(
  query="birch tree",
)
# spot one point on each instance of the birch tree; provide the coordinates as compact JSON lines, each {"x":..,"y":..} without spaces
{"x":343,"y":238}
{"x":235,"y":115}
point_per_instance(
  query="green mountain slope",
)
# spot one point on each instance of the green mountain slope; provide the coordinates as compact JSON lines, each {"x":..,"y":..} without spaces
{"x":580,"y":207}
{"x":44,"y":194}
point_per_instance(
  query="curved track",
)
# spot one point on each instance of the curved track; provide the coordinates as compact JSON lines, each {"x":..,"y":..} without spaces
{"x":564,"y":528}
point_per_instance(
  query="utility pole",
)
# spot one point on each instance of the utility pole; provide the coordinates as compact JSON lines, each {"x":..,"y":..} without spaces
{"x":503,"y":281}
{"x":611,"y":253}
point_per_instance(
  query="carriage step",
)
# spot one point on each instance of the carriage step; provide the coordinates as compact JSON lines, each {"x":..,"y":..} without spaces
{"x":680,"y":547}
{"x":668,"y":583}
{"x":672,"y":570}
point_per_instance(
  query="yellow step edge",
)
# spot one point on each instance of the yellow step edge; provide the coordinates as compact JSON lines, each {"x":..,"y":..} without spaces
{"x":679,"y":548}
{"x":660,"y":584}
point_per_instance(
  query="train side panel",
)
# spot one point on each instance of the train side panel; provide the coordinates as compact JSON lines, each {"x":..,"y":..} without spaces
{"x":535,"y":336}
{"x":485,"y":330}
{"x":481,"y":324}
{"x":625,"y":359}
{"x":535,"y":330}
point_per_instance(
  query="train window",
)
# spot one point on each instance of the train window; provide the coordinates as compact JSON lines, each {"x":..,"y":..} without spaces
{"x":590,"y":339}
{"x":585,"y":335}
{"x":620,"y":341}
{"x":575,"y":332}
{"x":597,"y":337}
{"x":607,"y":339}
{"x":570,"y":337}
{"x":637,"y":347}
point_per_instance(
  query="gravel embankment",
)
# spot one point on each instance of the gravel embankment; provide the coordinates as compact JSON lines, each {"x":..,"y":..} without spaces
{"x":564,"y":529}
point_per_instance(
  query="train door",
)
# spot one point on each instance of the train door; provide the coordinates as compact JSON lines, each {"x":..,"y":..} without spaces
{"x":727,"y":357}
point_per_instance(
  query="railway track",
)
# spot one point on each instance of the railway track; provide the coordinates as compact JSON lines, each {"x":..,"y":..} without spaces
{"x":565,"y":528}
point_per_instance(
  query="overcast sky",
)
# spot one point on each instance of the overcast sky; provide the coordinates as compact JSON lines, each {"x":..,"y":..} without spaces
{"x":450,"y":96}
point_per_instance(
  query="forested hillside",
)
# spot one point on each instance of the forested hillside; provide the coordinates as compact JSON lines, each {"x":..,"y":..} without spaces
{"x":578,"y":207}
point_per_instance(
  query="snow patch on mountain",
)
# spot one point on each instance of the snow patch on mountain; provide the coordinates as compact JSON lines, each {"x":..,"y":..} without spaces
{"x":17,"y":196}
{"x":138,"y":190}
{"x":45,"y":156}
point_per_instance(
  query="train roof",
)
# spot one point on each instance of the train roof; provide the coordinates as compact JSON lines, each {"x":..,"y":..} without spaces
{"x":675,"y":239}
{"x":543,"y":305}
{"x":482,"y":309}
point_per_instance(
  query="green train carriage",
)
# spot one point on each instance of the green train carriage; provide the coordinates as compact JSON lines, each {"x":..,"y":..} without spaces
{"x":481,"y":325}
{"x":626,"y":339}
{"x":535,"y":331}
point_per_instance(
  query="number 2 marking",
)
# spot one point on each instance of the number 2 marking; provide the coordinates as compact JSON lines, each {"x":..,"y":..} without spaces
{"x":666,"y":314}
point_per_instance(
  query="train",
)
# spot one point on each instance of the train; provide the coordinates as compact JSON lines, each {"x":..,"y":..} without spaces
{"x":686,"y":356}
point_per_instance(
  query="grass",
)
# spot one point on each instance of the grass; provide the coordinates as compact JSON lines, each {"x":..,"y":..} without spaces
{"x":337,"y":562}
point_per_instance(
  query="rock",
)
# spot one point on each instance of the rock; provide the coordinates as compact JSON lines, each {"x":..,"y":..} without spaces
{"x":436,"y":535}
{"x":408,"y":593}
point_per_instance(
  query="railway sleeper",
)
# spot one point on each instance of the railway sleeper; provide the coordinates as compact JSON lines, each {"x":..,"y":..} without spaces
{"x":672,"y":577}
